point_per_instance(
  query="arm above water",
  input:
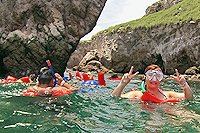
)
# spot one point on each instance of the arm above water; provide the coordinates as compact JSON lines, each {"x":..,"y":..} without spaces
{"x":68,"y":86}
{"x":188,"y":95}
{"x":187,"y":91}
{"x":124,"y":81}
{"x":64,"y":84}
{"x":118,"y":90}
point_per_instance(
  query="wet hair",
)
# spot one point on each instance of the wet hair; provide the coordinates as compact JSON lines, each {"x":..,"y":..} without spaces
{"x":151,"y":67}
{"x":114,"y":75}
{"x":45,"y":76}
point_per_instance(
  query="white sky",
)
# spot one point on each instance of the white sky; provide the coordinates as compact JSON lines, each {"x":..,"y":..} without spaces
{"x":119,"y":11}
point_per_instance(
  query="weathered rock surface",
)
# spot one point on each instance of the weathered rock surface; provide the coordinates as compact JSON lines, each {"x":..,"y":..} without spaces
{"x":82,"y":49}
{"x":192,"y":71}
{"x":32,"y":31}
{"x":161,"y":5}
{"x":170,"y":46}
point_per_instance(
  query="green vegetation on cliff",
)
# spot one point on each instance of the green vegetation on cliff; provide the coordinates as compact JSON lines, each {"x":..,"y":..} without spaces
{"x":184,"y":11}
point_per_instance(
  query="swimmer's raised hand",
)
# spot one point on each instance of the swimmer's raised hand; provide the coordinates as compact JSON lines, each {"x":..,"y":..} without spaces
{"x":179,"y":78}
{"x":128,"y":76}
{"x":60,"y":79}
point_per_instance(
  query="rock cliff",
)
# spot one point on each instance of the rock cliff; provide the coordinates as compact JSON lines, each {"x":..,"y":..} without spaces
{"x":171,"y":46}
{"x":32,"y":31}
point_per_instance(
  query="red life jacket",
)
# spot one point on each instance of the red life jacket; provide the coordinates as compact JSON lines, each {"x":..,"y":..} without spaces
{"x":78,"y":75}
{"x":101,"y":79}
{"x":60,"y":92}
{"x":25,"y":79}
{"x":115,"y":78}
{"x":149,"y":97}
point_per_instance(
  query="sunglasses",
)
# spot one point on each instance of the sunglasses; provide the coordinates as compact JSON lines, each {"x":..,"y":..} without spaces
{"x":150,"y":74}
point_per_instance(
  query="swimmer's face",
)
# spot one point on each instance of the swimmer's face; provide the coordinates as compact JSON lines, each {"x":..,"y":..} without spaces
{"x":153,"y":78}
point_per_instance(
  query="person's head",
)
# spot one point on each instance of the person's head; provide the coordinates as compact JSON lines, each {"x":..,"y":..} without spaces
{"x":114,"y":75}
{"x":32,"y":77}
{"x":45,"y":77}
{"x":154,"y":75}
{"x":89,"y":74}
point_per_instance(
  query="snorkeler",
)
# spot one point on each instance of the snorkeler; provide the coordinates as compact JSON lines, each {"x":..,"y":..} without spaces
{"x":114,"y":76}
{"x":12,"y":79}
{"x":153,"y":78}
{"x":45,"y":85}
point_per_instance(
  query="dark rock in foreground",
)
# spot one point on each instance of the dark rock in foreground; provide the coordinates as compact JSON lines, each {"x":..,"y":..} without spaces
{"x":32,"y":31}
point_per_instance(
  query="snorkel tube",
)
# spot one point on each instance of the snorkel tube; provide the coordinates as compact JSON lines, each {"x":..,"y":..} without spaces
{"x":52,"y":71}
{"x":142,"y":86}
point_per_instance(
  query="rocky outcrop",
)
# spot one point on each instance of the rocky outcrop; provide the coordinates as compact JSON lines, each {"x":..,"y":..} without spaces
{"x":32,"y":31}
{"x":170,"y":46}
{"x":82,"y":49}
{"x":161,"y":5}
{"x":192,"y":71}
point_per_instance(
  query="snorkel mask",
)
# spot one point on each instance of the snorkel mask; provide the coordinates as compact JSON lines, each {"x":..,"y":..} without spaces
{"x":154,"y":74}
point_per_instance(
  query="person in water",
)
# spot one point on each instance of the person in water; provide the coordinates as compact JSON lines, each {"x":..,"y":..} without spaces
{"x":90,"y":76}
{"x":29,"y":79}
{"x":45,"y":85}
{"x":153,"y":78}
{"x":114,"y":76}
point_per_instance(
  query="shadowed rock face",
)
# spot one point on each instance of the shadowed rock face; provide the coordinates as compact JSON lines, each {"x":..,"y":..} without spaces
{"x":32,"y":31}
{"x":170,"y":46}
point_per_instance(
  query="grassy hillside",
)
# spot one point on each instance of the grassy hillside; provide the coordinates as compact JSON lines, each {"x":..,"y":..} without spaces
{"x":184,"y":11}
